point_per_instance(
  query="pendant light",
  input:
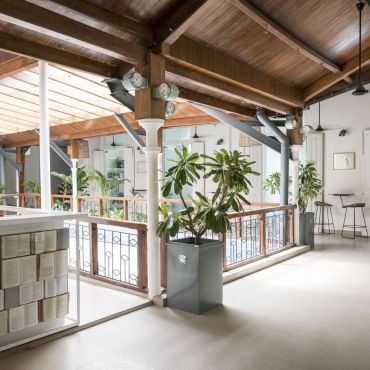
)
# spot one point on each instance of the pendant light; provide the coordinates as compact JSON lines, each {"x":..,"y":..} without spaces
{"x":360,"y":89}
{"x":319,"y":128}
{"x":113,"y":142}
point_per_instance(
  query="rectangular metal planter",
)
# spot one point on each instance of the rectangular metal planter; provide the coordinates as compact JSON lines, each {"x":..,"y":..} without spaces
{"x":306,"y":229}
{"x":194,"y":275}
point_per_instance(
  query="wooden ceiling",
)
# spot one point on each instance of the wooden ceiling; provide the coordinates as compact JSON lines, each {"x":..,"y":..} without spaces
{"x":233,"y":54}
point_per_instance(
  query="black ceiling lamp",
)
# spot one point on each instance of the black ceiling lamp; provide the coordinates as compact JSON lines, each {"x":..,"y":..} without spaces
{"x":319,"y":127}
{"x":360,"y":89}
{"x":195,"y":136}
{"x":113,"y":142}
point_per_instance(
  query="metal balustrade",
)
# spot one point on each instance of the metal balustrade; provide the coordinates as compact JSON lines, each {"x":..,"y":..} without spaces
{"x":113,"y":249}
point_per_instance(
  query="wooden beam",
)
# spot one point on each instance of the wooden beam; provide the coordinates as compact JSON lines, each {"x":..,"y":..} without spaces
{"x":36,"y":18}
{"x":205,"y":60}
{"x":180,"y":17}
{"x":196,"y":78}
{"x":105,"y":17}
{"x":145,"y":105}
{"x":215,"y":102}
{"x":271,"y":26}
{"x":16,"y":65}
{"x":35,"y":50}
{"x":105,"y":126}
{"x":329,"y":80}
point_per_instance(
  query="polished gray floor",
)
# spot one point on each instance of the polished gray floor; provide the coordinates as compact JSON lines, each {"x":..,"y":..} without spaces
{"x":310,"y":312}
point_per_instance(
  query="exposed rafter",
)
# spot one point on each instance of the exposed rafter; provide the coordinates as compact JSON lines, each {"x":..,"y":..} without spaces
{"x":271,"y":26}
{"x":329,"y":80}
{"x":15,"y":65}
{"x":207,"y":61}
{"x":210,"y":83}
{"x":35,"y":50}
{"x":105,"y":17}
{"x":179,"y":19}
{"x":36,"y":18}
{"x":197,"y":97}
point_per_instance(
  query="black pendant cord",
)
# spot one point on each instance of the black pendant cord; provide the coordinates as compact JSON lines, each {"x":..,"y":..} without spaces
{"x":360,"y":6}
{"x":319,"y":128}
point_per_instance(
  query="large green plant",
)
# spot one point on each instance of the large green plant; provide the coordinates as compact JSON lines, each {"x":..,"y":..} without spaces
{"x":33,"y":186}
{"x":105,"y":185}
{"x":228,"y":170}
{"x":66,"y":181}
{"x":309,"y":185}
{"x":272,"y":183}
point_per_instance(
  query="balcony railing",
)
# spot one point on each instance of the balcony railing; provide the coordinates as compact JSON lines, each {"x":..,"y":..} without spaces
{"x":112,"y":238}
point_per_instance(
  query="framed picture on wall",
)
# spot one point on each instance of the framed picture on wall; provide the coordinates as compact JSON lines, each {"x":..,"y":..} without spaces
{"x":344,"y":161}
{"x":141,"y":167}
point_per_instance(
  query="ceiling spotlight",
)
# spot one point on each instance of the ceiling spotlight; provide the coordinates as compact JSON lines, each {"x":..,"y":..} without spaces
{"x":134,"y":81}
{"x":166,"y":91}
{"x":290,"y":122}
{"x":170,"y":108}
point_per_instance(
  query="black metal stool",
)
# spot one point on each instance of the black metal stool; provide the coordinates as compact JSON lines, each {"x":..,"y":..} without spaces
{"x":320,"y":218}
{"x":354,"y":226}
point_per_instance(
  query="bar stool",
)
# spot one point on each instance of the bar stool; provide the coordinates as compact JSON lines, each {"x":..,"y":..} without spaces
{"x":354,"y":206}
{"x":321,"y":207}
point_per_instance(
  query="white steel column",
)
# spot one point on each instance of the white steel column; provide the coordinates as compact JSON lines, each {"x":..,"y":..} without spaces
{"x":44,"y":137}
{"x":151,"y":126}
{"x":74,"y":185}
{"x":295,"y":165}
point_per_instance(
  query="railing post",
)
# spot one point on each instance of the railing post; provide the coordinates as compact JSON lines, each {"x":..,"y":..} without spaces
{"x":36,"y":201}
{"x":125,"y":210}
{"x":142,"y":260}
{"x":93,"y":241}
{"x":21,"y":200}
{"x":79,"y":204}
{"x":101,"y":207}
{"x":291,"y":226}
{"x":262,"y":222}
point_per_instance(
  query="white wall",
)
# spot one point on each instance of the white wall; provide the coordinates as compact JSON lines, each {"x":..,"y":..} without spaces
{"x":353,"y":114}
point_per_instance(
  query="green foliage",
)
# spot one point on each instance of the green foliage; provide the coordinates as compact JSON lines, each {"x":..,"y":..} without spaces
{"x":33,"y":186}
{"x":66,"y":182}
{"x":105,"y":185}
{"x":230,"y":172}
{"x":309,"y":185}
{"x":272,"y":183}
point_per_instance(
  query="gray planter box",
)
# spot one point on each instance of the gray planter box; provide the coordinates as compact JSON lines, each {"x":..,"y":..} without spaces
{"x":306,"y":229}
{"x":194,"y":275}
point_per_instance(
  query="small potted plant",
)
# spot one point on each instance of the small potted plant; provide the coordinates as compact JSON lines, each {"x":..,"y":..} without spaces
{"x":309,"y":187}
{"x":195,"y":263}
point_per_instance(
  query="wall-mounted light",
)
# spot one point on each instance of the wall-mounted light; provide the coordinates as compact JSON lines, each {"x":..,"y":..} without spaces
{"x":343,"y":132}
{"x":220,"y":141}
{"x":134,"y":81}
{"x":166,"y":91}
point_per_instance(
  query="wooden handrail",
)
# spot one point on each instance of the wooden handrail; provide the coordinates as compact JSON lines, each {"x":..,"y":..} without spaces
{"x":260,"y":211}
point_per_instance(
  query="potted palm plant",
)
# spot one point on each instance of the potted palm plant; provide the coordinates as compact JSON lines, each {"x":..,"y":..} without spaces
{"x":309,"y":187}
{"x":272,"y":183}
{"x":195,"y":263}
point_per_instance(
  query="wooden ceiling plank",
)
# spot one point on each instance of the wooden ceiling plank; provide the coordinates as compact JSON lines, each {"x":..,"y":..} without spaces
{"x":39,"y":19}
{"x":18,"y":118}
{"x":208,"y":61}
{"x":16,"y":65}
{"x":179,"y":19}
{"x":6,"y":108}
{"x":199,"y":79}
{"x":214,"y":102}
{"x":97,"y":13}
{"x":34,"y":107}
{"x":33,"y":49}
{"x":71,"y":91}
{"x":34,"y":99}
{"x":14,"y":82}
{"x":271,"y":26}
{"x":329,"y":80}
{"x":92,"y":91}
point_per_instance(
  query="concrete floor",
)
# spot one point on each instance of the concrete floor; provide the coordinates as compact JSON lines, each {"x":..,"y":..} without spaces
{"x":310,"y":312}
